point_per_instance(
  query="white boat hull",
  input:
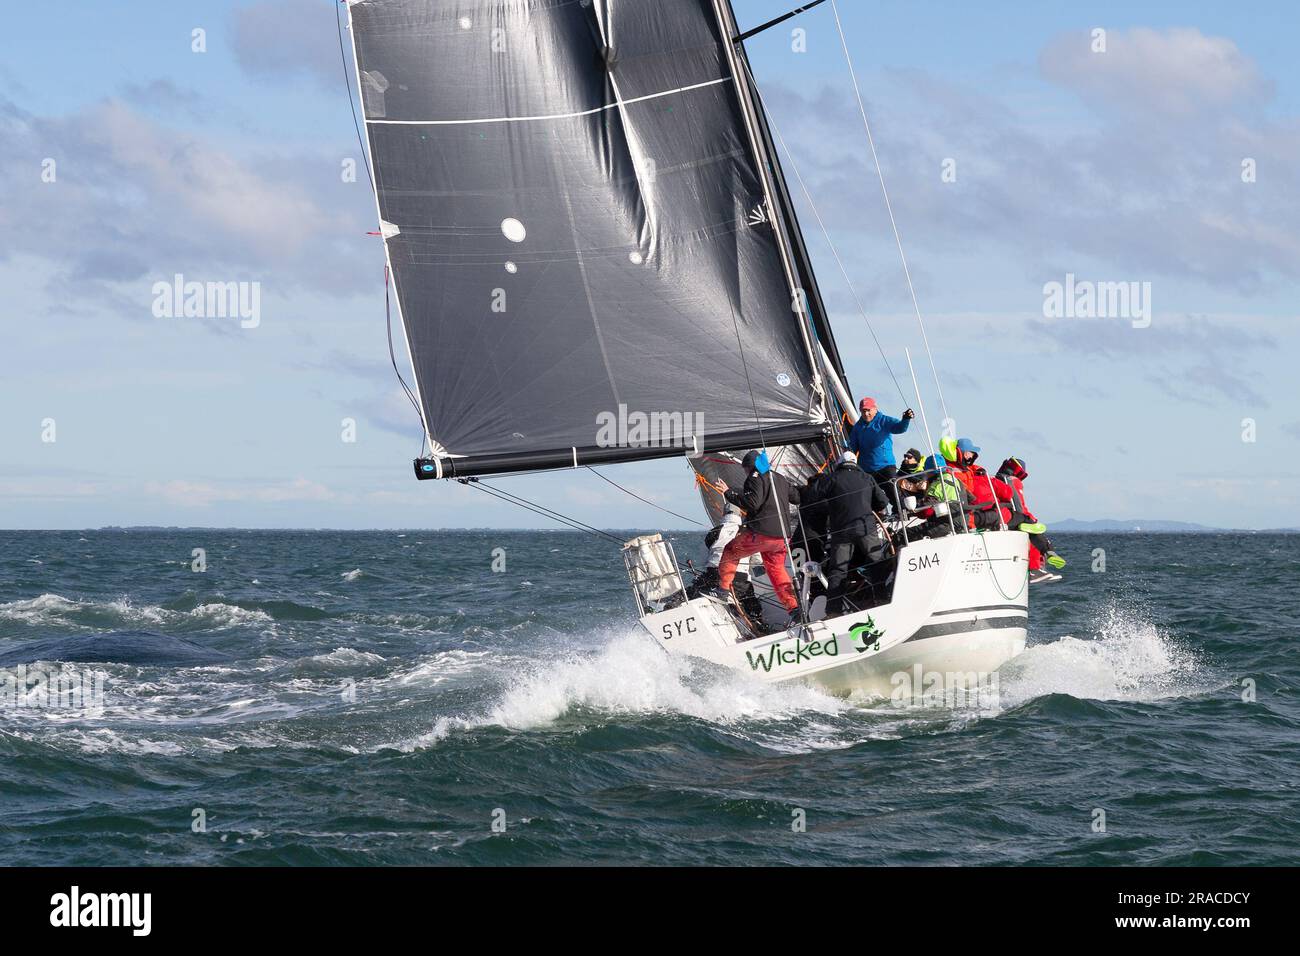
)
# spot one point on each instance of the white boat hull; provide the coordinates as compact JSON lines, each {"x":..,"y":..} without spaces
{"x":959,"y":610}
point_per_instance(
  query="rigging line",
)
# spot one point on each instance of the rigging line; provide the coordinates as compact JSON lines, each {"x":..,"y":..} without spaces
{"x":338,"y":23}
{"x":557,"y":515}
{"x":758,"y":423}
{"x":994,"y":574}
{"x":925,"y":421}
{"x":370,"y":181}
{"x":392,"y":356}
{"x":888,"y":205}
{"x":573,"y":523}
{"x":775,"y":21}
{"x":782,"y":507}
{"x":538,"y":510}
{"x":862,"y":310}
{"x":639,"y":498}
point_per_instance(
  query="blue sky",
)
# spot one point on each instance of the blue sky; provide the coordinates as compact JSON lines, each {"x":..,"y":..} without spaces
{"x":1122,"y":166}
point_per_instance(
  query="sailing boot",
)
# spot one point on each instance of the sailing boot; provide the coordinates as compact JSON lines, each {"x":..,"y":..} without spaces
{"x":1033,"y":527}
{"x":723,"y":595}
{"x":1055,"y":560}
{"x":705,"y":583}
{"x":1041,"y":576}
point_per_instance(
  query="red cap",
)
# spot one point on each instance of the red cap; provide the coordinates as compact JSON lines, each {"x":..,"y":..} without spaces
{"x":867,"y":403}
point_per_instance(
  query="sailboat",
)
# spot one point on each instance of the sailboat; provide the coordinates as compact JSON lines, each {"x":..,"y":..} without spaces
{"x":597,"y":261}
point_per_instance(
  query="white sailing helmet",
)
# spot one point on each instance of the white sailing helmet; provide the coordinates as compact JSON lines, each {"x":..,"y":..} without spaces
{"x":848,"y":458}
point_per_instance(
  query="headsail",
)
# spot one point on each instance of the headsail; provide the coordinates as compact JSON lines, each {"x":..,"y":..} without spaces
{"x":586,"y":263}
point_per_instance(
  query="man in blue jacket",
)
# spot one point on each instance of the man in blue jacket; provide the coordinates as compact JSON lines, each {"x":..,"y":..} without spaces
{"x":871,"y":440}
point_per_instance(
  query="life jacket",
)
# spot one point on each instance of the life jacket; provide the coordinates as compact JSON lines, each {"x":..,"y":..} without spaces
{"x":986,"y":492}
{"x":946,"y":487}
{"x":966,"y":475}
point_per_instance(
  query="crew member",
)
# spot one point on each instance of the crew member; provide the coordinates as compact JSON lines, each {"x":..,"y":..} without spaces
{"x":764,"y":497}
{"x":872,"y":441}
{"x":1013,"y":473}
{"x":849,"y":499}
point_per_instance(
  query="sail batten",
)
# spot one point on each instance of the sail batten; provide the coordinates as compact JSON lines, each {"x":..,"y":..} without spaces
{"x":579,"y":225}
{"x":551,"y":116}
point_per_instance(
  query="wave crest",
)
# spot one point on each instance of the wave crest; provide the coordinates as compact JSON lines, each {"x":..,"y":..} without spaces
{"x":1129,"y":658}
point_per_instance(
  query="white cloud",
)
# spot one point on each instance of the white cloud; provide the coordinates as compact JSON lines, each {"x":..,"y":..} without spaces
{"x":1149,"y":185}
{"x":136,"y":200}
{"x":275,"y":38}
{"x":1179,"y":72}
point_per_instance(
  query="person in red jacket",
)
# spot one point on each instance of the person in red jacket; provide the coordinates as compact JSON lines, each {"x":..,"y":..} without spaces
{"x":1013,"y":473}
{"x":989,"y":496}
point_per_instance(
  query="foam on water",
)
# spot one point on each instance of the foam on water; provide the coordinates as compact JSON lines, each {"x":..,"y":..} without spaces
{"x":630,"y":675}
{"x":226,"y":615}
{"x":54,"y":609}
{"x":447,"y":665}
{"x":47,"y":607}
{"x":1128,"y":658}
{"x":348,"y":655}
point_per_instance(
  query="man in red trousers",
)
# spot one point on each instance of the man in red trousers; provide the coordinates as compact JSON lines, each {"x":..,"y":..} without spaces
{"x":764,"y":498}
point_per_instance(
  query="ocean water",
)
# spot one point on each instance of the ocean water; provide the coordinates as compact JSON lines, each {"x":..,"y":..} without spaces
{"x":387,"y":697}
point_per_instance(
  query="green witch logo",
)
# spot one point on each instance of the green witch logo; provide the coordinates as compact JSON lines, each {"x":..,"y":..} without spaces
{"x":866,"y":636}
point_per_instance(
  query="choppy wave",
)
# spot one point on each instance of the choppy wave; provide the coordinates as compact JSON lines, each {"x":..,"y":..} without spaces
{"x":1128,"y":658}
{"x":629,"y":676}
{"x":55,"y":609}
{"x":348,"y":711}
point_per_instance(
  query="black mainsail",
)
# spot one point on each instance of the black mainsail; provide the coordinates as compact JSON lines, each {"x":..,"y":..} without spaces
{"x":589,"y":234}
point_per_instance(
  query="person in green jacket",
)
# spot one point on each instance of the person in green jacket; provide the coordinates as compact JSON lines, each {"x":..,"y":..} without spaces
{"x":944,"y":486}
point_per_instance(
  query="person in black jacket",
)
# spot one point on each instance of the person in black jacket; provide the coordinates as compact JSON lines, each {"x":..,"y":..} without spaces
{"x":845,"y":499}
{"x":765,"y":498}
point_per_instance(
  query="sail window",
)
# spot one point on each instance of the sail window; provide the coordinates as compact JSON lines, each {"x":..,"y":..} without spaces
{"x":513,"y":230}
